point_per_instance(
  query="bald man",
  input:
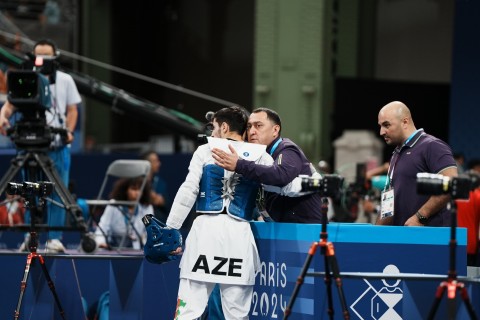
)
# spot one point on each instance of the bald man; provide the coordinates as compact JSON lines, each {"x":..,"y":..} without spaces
{"x":415,"y":151}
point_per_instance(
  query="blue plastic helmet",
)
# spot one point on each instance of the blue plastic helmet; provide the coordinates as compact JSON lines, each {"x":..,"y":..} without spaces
{"x":161,"y":241}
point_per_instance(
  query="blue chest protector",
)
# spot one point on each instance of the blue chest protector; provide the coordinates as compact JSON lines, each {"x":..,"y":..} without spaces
{"x":215,"y":190}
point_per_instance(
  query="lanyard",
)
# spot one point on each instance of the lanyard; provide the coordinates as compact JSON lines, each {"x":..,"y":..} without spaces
{"x":411,"y":136}
{"x":393,"y":163}
{"x":128,"y":219}
{"x":275,"y":146}
{"x":391,"y":168}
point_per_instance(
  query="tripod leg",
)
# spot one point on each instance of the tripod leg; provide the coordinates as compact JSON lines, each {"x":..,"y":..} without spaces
{"x":51,"y":286}
{"x":65,"y":196}
{"x":23,"y":284}
{"x":12,"y":171}
{"x":466,"y":300}
{"x":438,"y":297}
{"x":88,"y":243}
{"x":300,"y":279}
{"x":330,"y":253}
{"x":328,"y":284}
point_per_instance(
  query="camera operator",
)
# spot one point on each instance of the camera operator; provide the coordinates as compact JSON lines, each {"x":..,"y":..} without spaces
{"x":415,"y":152}
{"x":63,"y":114}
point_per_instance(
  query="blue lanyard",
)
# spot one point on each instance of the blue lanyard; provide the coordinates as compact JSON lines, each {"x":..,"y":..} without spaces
{"x":411,"y":136}
{"x":397,"y":155}
{"x":275,"y":146}
{"x":127,"y":216}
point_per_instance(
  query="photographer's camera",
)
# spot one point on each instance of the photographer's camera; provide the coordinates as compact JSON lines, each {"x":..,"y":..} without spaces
{"x":437,"y":184}
{"x":26,"y":188}
{"x":329,"y":185}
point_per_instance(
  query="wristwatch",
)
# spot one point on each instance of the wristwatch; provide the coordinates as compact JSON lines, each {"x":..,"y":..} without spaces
{"x":421,"y":218}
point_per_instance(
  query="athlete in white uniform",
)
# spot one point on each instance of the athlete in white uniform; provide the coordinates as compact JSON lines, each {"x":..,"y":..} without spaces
{"x":220,"y":246}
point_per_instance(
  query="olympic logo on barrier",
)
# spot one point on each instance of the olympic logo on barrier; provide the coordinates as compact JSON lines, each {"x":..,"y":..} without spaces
{"x":385,"y":301}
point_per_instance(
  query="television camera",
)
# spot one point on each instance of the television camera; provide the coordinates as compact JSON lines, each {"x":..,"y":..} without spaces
{"x":437,"y":184}
{"x":29,"y":92}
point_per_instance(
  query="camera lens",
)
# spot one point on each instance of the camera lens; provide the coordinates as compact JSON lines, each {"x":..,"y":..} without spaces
{"x":14,"y":188}
{"x":328,"y":186}
{"x":433,"y":184}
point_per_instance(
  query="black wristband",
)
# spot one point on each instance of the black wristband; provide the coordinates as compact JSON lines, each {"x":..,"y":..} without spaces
{"x":421,"y":218}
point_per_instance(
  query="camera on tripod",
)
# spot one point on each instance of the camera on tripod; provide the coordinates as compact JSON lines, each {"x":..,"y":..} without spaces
{"x":29,"y":92}
{"x":26,"y":189}
{"x":437,"y":184}
{"x":329,"y":185}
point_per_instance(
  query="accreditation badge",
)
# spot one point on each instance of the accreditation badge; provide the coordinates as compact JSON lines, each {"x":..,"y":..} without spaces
{"x":386,"y":204}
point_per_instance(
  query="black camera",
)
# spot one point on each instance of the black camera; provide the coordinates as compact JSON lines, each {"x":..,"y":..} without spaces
{"x":202,"y":138}
{"x":329,"y":185}
{"x":437,"y":184}
{"x":29,"y":92}
{"x":208,"y":128}
{"x":26,"y":188}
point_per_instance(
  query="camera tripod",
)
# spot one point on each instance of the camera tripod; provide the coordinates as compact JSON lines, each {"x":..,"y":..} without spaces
{"x":331,"y":269}
{"x":32,"y":246}
{"x":452,"y":285}
{"x":34,"y":163}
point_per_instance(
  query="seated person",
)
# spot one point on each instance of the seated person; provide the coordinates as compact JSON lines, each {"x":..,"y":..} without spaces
{"x":13,"y":211}
{"x":122,"y":226}
{"x":158,"y":194}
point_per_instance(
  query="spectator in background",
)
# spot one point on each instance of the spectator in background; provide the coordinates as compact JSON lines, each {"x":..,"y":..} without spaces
{"x":13,"y":211}
{"x":158,"y":194}
{"x":51,"y":13}
{"x":3,"y":83}
{"x":474,"y":165}
{"x":460,"y":160}
{"x":468,"y":215}
{"x":380,"y":170}
{"x":377,"y":179}
{"x":4,"y":141}
{"x":122,"y":226}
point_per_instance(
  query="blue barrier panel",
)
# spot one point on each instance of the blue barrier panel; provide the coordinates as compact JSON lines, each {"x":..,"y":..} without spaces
{"x":358,"y":248}
{"x":141,"y":290}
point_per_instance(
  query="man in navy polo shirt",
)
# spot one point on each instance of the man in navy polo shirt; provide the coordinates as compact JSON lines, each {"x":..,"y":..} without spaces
{"x":264,"y":127}
{"x":416,"y":151}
